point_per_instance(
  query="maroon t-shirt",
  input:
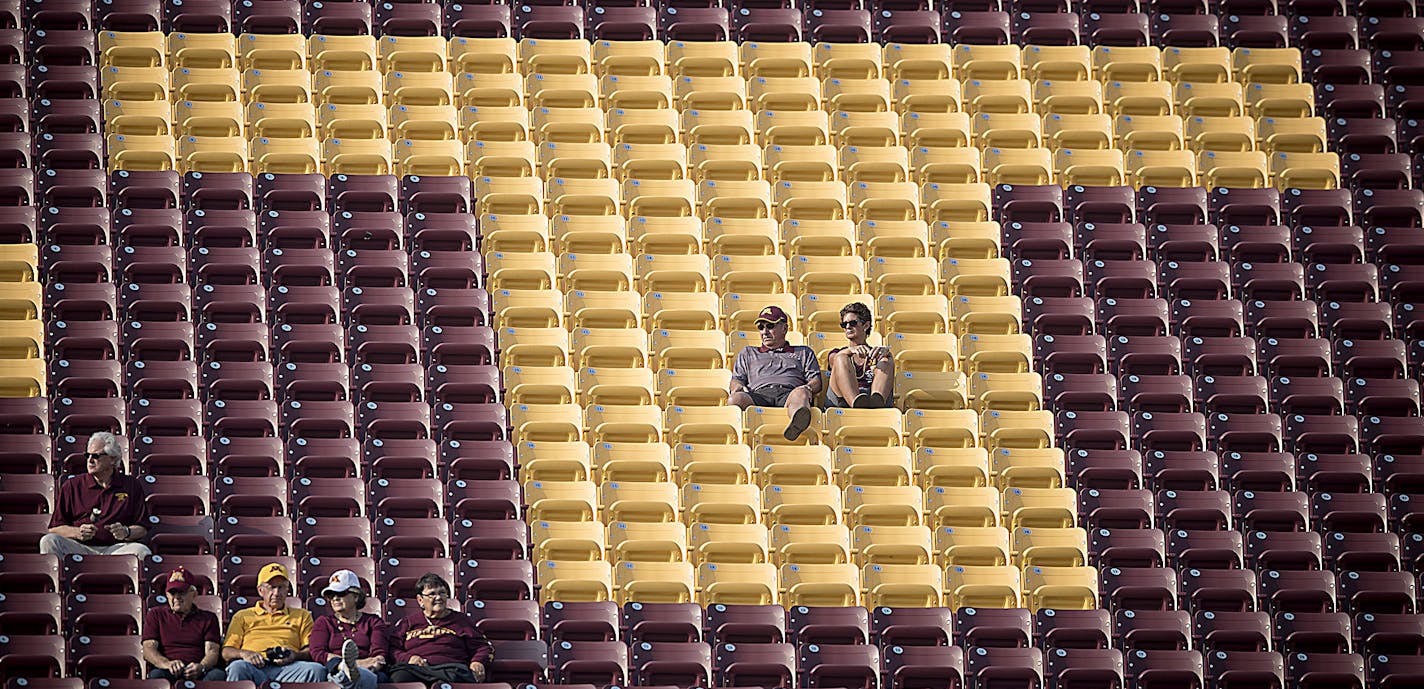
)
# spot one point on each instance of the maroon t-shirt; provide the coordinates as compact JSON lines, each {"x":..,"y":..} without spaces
{"x":449,"y":639}
{"x":181,"y":637}
{"x":121,"y":503}
{"x":329,"y":633}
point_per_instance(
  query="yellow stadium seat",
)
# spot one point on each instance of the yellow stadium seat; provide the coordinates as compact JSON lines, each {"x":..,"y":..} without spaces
{"x":1030,"y":166}
{"x":546,"y":422}
{"x":873,"y":466}
{"x":793,"y":128}
{"x":132,"y":49}
{"x":1077,"y":131}
{"x":933,"y":352}
{"x":920,"y":314}
{"x":1208,"y":99}
{"x":1028,"y":467}
{"x":568,"y":541}
{"x":429,"y":158}
{"x":1016,"y":429}
{"x":775,"y":59}
{"x":351,"y":121}
{"x":494,"y":123}
{"x":344,"y":87}
{"x":1113,"y":63}
{"x":986,"y":314}
{"x":948,"y":129}
{"x":1090,"y":167}
{"x":1267,"y":65}
{"x":680,"y":310}
{"x":134,"y":83}
{"x":503,"y":159}
{"x":651,"y":92}
{"x":1040,"y":507}
{"x":554,"y":461}
{"x":874,"y":163}
{"x":982,"y":587}
{"x":718,"y":127}
{"x":964,"y":506}
{"x":902,"y":585}
{"x":852,"y":60}
{"x":1008,"y":130}
{"x":1161,"y":168}
{"x":751,"y":237}
{"x":711,"y":460}
{"x":654,"y":582}
{"x":909,"y":60}
{"x":1137,"y":98}
{"x":413,"y":54}
{"x":664,"y":162}
{"x":424,"y":122}
{"x":342,"y":53}
{"x":728,"y":543}
{"x":1006,"y":391}
{"x":520,"y":270}
{"x":883,"y":506}
{"x":996,"y":353}
{"x":856,"y":95}
{"x":529,"y":308}
{"x":356,"y":157}
{"x":134,"y":152}
{"x":972,"y":546}
{"x":674,"y":273}
{"x":721,"y":503}
{"x":419,"y":88}
{"x":737,"y":162}
{"x":810,"y":544}
{"x":142,"y":118}
{"x":206,"y":84}
{"x":1061,"y":588}
{"x":965,"y":239}
{"x":686,"y":349}
{"x":490,"y":90}
{"x":605,"y":272}
{"x":693,"y":387}
{"x":1280,"y":100}
{"x":281,"y":120}
{"x":997,"y":62}
{"x":893,"y":238}
{"x":892,"y":545}
{"x":530,"y":385}
{"x":534,"y":346}
{"x":736,"y":583}
{"x":561,"y":501}
{"x":870,"y":427}
{"x":561,"y":90}
{"x":271,"y":51}
{"x":931,"y":390}
{"x":710,"y":92}
{"x":733,"y":199}
{"x":623,"y":423}
{"x":1068,"y":97}
{"x":998,"y":96}
{"x":820,"y":585}
{"x":617,"y":461}
{"x":1205,"y":65}
{"x":816,"y":163}
{"x":809,"y":200}
{"x":630,"y":58}
{"x":974,"y":277}
{"x":941,"y":428}
{"x":939,"y":93}
{"x":703,"y":58}
{"x":964,"y":467}
{"x":507,"y":195}
{"x":1220,"y":133}
{"x":482,"y":55}
{"x":1233,"y":170}
{"x":18,"y":262}
{"x":517,"y":234}
{"x":805,"y":465}
{"x":784,"y":93}
{"x":616,"y":386}
{"x":300,"y":156}
{"x":1306,"y":170}
{"x":815,"y":274}
{"x":801,"y":505}
{"x":555,"y":56}
{"x":1057,"y":63}
{"x":1050,"y":547}
{"x":959,"y":165}
{"x":568,"y":124}
{"x":207,"y":50}
{"x":1149,"y":132}
{"x":1291,"y":134}
{"x":955,"y":202}
{"x":562,"y":580}
{"x":647,"y":541}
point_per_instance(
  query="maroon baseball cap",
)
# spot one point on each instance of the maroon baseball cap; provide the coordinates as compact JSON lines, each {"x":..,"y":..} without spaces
{"x":772,"y":314}
{"x":180,"y":579}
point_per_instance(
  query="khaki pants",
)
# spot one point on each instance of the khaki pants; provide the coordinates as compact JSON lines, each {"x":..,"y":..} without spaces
{"x":59,"y":545}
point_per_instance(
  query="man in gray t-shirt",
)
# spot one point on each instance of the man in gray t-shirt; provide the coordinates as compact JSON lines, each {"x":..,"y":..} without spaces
{"x":777,"y":374}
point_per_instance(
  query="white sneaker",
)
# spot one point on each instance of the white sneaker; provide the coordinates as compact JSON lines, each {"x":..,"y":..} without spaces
{"x":348,"y":661}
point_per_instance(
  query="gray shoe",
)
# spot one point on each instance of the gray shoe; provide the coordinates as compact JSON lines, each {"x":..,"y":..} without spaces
{"x":348,"y":661}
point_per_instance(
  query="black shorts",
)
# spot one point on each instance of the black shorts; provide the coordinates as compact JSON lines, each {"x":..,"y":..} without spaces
{"x":771,"y":395}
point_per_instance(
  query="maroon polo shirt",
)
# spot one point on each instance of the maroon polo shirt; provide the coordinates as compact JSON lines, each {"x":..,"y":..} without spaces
{"x":121,"y":503}
{"x":181,"y":637}
{"x":328,"y":634}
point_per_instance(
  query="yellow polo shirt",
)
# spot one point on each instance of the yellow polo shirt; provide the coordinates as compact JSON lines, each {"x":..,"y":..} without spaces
{"x":255,"y":629}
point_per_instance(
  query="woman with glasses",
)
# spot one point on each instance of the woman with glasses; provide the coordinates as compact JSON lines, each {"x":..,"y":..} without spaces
{"x":862,"y":376}
{"x":436,"y":644}
{"x":351,"y":644}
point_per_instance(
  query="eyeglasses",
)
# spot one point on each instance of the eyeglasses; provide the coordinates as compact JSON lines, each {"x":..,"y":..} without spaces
{"x":767,"y":326}
{"x":436,"y":594}
{"x":95,"y":455}
{"x":851,"y":324}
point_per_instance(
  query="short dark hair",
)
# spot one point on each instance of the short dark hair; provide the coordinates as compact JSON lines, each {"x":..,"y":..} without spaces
{"x":431,"y":580}
{"x":360,"y":598}
{"x":858,"y":310}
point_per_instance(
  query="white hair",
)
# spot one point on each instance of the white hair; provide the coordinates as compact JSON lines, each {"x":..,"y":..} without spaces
{"x":110,"y":442}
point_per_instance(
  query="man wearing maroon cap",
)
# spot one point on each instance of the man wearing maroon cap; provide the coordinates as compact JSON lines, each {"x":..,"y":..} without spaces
{"x":777,"y":374}
{"x":180,"y":640}
{"x":99,"y":512}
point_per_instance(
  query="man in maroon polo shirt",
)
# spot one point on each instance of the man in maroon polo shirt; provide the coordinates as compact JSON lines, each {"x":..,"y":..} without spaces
{"x":777,"y":373}
{"x":100,"y":512}
{"x":180,"y":640}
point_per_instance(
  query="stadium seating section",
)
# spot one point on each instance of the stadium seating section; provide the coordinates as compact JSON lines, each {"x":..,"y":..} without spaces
{"x":402,"y":287}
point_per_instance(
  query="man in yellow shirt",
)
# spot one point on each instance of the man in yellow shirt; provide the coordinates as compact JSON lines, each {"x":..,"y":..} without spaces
{"x":268,"y":641}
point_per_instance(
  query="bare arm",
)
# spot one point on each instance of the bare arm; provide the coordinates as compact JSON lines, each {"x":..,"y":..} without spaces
{"x":153,"y":657}
{"x":212,"y":655}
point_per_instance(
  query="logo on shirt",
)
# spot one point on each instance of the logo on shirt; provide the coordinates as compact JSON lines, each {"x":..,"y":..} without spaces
{"x":120,"y":497}
{"x":430,"y":633}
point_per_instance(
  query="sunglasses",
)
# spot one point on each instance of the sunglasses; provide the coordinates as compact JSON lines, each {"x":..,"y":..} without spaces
{"x":767,"y":326}
{"x":95,"y":455}
{"x":852,"y":324}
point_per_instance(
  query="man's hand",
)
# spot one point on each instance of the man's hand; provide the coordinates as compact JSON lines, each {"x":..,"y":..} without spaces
{"x":372,"y":664}
{"x":478,"y":669}
{"x":417,"y":660}
{"x":193,"y":671}
{"x":287,"y":658}
{"x":86,"y":533}
{"x":118,"y":531}
{"x":175,"y":667}
{"x":257,"y":659}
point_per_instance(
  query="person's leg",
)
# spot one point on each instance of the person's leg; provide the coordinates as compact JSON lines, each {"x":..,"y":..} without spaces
{"x":883,"y":384}
{"x":55,"y":544}
{"x":243,"y":671}
{"x":401,"y":673}
{"x":300,"y":671}
{"x":137,"y":550}
{"x":741,"y":399}
{"x":161,"y":673}
{"x":367,"y":680}
{"x":216,"y":674}
{"x":798,"y":407}
{"x":843,"y":377}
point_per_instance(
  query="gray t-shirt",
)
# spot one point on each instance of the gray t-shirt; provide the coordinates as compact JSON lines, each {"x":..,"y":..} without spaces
{"x":790,"y":365}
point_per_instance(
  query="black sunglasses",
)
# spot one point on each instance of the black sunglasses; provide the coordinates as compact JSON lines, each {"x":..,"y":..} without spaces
{"x":767,"y":326}
{"x":95,"y":455}
{"x":852,"y":324}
